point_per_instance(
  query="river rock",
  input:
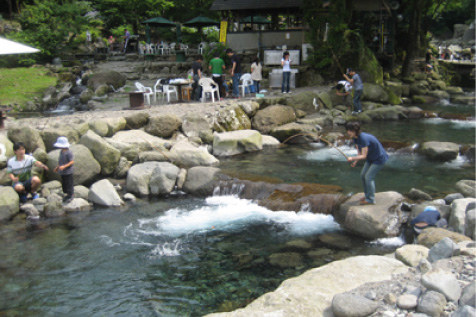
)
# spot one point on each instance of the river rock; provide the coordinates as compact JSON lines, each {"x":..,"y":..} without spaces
{"x":270,"y":142}
{"x":152,"y":156}
{"x":163,"y":126}
{"x":137,"y":120}
{"x":451,"y":197}
{"x":465,"y":311}
{"x":371,"y":221}
{"x":375,"y":93}
{"x":113,"y":78}
{"x":439,"y":94}
{"x":311,"y":293}
{"x":54,"y":207}
{"x":470,"y":223}
{"x":86,"y":168}
{"x":453,"y":90}
{"x":29,"y":136}
{"x":78,"y":204}
{"x":106,"y":155}
{"x":50,"y":135}
{"x":440,"y":151}
{"x":100,"y":127}
{"x":445,"y":248}
{"x":201,"y":180}
{"x":270,"y":117}
{"x":132,"y":142}
{"x":317,"y":119}
{"x":8,"y":203}
{"x":194,"y":123}
{"x":103,"y":193}
{"x":249,"y":107}
{"x":431,"y":304}
{"x":469,"y":295}
{"x":430,"y":236}
{"x":115,"y":125}
{"x":286,"y":260}
{"x":237,"y":142}
{"x":457,"y":218}
{"x":467,"y":187}
{"x":30,"y":211}
{"x":308,"y":133}
{"x":231,"y":118}
{"x":350,"y":305}
{"x":163,"y":178}
{"x":385,"y":113}
{"x":442,"y":281}
{"x":81,"y":191}
{"x":411,"y":254}
{"x":185,"y":154}
{"x":464,"y":100}
{"x":417,"y":194}
{"x":138,"y":178}
{"x":324,"y":100}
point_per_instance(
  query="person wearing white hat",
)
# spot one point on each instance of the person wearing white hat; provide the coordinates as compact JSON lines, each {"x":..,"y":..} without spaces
{"x":65,"y":167}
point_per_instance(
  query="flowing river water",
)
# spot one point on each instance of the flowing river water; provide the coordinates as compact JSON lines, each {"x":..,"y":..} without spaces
{"x":184,"y":256}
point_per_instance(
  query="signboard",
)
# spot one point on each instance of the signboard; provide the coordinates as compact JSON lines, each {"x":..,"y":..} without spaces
{"x":223,"y":28}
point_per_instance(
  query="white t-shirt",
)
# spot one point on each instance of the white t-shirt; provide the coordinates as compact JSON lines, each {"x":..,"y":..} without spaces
{"x":22,"y":169}
{"x":287,"y":65}
{"x":256,"y":73}
{"x":346,"y":84}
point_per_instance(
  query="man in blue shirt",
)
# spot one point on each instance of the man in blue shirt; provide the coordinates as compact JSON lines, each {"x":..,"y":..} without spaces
{"x":430,"y":217}
{"x":127,"y":37}
{"x":356,"y":82}
{"x":370,"y":150}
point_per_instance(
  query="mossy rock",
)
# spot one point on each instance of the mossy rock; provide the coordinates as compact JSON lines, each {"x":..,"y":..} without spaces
{"x":302,"y":101}
{"x":393,"y":99}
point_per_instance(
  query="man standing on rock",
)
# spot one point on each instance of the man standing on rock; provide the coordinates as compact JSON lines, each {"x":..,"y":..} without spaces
{"x":370,"y":150}
{"x":356,"y":82}
{"x":235,"y":72}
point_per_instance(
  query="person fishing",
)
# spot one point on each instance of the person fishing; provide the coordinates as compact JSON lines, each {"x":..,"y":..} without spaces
{"x":371,"y":150}
{"x":358,"y":87}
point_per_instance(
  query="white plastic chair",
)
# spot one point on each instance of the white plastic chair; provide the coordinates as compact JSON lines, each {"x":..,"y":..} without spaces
{"x":158,"y":89}
{"x":245,"y":82}
{"x":184,"y":48}
{"x":146,"y":90}
{"x":209,"y":86}
{"x":202,"y":46}
{"x":172,"y":48}
{"x":163,"y":48}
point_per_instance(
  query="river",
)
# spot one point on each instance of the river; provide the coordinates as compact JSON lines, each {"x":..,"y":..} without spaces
{"x":184,"y":256}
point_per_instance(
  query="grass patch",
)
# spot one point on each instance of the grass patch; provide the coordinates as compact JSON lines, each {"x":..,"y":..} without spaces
{"x":20,"y":85}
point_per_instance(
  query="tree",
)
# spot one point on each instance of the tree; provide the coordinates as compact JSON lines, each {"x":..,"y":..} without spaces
{"x":49,"y":26}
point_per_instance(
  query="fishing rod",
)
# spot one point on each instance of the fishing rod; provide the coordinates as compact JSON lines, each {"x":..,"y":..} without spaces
{"x":319,"y":137}
{"x":332,"y":145}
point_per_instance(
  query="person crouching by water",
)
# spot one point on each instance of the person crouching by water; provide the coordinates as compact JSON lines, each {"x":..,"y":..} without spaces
{"x":429,"y":217}
{"x":19,"y":171}
{"x":65,"y":167}
{"x":370,"y":150}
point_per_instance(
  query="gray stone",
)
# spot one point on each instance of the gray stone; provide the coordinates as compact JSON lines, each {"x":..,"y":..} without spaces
{"x":293,"y":133}
{"x":231,"y":118}
{"x":458,"y":214}
{"x":151,"y":156}
{"x":424,"y":266}
{"x":194,"y":123}
{"x":81,"y":191}
{"x":185,"y":154}
{"x":350,"y":305}
{"x":443,"y":282}
{"x":417,"y":194}
{"x":440,"y":151}
{"x":467,"y":187}
{"x":375,"y":93}
{"x":130,"y":197}
{"x":431,"y":303}
{"x":103,"y":193}
{"x":430,"y":236}
{"x":54,"y":206}
{"x":138,"y":178}
{"x":8,"y":203}
{"x":50,"y":135}
{"x":270,"y":117}
{"x":137,"y":120}
{"x":115,"y":125}
{"x":249,"y":107}
{"x":465,"y":311}
{"x":110,"y":78}
{"x":236,"y":142}
{"x":163,"y":126}
{"x":445,"y":248}
{"x":78,"y":204}
{"x":163,"y":178}
{"x":407,"y":301}
{"x":99,"y":127}
{"x":29,"y":136}
{"x":411,"y":254}
{"x":200,"y":180}
{"x":470,"y":223}
{"x":30,"y":210}
{"x":450,"y":197}
{"x":106,"y":155}
{"x":469,"y":295}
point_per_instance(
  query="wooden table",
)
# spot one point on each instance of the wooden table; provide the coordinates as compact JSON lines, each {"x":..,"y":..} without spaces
{"x":179,"y":85}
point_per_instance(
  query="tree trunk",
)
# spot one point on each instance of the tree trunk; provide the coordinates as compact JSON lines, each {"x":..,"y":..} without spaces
{"x":414,"y":33}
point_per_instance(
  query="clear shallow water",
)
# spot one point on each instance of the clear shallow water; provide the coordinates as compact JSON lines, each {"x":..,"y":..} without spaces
{"x":189,"y":257}
{"x":197,"y":257}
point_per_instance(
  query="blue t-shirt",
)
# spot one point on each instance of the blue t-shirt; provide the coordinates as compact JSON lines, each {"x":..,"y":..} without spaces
{"x":376,"y":153}
{"x":429,"y":216}
{"x":358,"y":85}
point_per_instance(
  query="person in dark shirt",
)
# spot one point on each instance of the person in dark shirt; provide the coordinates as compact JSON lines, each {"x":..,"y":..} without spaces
{"x":235,"y":71}
{"x":429,"y":217}
{"x":197,"y":74}
{"x":370,"y":150}
{"x":358,"y":86}
{"x":65,"y":167}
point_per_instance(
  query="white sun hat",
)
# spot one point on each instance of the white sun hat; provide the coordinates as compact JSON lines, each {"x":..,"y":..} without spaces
{"x":62,"y":143}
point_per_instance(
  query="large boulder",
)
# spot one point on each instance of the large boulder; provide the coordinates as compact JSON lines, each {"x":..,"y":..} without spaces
{"x":8,"y":203}
{"x":440,"y":151}
{"x":385,"y":113}
{"x":249,"y":107}
{"x":270,"y":117}
{"x":457,"y":220}
{"x":138,"y":178}
{"x":6,"y":150}
{"x":231,"y":118}
{"x":107,"y":156}
{"x":115,"y":124}
{"x":371,"y":221}
{"x":431,"y":236}
{"x":295,"y":133}
{"x":185,"y":154}
{"x":137,"y":120}
{"x":29,"y":136}
{"x":163,"y":178}
{"x":236,"y":142}
{"x":375,"y":93}
{"x":201,"y":181}
{"x":311,"y":293}
{"x":103,"y":193}
{"x":467,"y":187}
{"x":115,"y":79}
{"x":132,"y":142}
{"x":50,"y":135}
{"x":193,"y":124}
{"x":163,"y":126}
{"x":86,"y":168}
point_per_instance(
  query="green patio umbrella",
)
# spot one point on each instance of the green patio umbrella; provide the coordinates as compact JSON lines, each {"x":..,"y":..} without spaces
{"x":200,"y":22}
{"x":157,"y":22}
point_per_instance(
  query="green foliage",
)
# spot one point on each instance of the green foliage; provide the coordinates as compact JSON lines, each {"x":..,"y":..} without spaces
{"x":49,"y":26}
{"x":20,"y":85}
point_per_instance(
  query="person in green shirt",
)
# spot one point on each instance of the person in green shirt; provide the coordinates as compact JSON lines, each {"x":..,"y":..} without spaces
{"x":217,"y":66}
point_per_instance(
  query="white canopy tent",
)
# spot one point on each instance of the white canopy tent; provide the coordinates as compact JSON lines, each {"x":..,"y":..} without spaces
{"x":11,"y":47}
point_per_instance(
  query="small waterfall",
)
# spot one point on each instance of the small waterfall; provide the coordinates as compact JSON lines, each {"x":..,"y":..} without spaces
{"x":224,"y":189}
